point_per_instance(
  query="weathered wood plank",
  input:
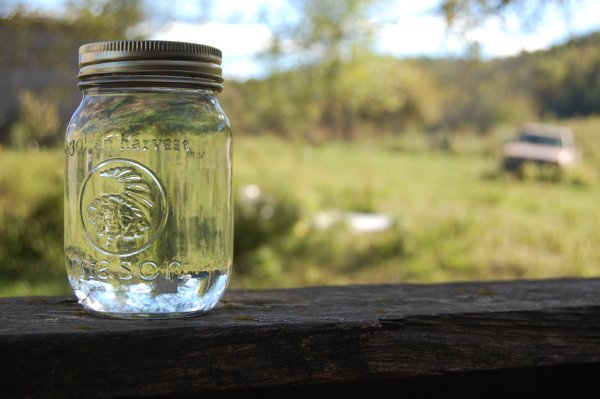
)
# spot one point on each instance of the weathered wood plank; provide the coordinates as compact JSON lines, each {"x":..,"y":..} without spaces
{"x":311,"y":337}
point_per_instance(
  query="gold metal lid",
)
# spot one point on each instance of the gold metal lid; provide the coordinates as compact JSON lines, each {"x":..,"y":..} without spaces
{"x":149,"y":62}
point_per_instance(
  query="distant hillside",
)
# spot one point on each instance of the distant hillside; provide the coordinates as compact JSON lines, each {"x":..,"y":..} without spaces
{"x":568,"y":77}
{"x":563,"y":81}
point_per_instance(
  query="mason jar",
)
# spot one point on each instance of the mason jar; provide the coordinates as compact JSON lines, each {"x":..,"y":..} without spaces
{"x":148,"y":202}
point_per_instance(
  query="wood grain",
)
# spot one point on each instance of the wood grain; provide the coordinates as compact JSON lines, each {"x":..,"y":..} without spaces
{"x":275,"y":340}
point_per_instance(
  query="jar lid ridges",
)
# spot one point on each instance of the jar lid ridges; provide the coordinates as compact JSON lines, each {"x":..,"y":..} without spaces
{"x":163,"y":47}
{"x":147,"y":61}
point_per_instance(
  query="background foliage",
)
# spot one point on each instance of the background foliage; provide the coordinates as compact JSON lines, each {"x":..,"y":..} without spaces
{"x":344,"y":132}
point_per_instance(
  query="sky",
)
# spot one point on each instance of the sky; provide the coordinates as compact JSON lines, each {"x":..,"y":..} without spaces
{"x":407,"y":28}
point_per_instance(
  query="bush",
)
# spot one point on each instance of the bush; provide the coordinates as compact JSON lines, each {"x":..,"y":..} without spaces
{"x":32,"y":246}
{"x":343,"y":249}
{"x":261,"y":222}
{"x":31,"y":223}
{"x":274,"y":234}
{"x":38,"y":121}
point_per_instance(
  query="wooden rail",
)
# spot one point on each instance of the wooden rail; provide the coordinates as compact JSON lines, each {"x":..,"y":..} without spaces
{"x":482,"y":339}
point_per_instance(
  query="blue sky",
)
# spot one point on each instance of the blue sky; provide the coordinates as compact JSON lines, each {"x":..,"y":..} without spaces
{"x":406,"y":28}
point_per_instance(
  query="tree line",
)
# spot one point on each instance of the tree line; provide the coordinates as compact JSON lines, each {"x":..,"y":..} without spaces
{"x":339,"y":87}
{"x":375,"y":94}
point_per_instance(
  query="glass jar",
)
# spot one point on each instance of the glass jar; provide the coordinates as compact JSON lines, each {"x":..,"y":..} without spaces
{"x":148,"y":203}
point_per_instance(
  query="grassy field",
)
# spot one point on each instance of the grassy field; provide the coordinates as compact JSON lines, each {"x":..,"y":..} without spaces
{"x":456,"y":217}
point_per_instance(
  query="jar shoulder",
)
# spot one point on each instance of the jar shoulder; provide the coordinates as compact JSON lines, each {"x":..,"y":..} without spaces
{"x":148,"y":112}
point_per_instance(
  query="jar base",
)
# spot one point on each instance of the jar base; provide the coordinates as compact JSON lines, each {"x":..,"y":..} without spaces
{"x":146,"y":300}
{"x":146,"y":316}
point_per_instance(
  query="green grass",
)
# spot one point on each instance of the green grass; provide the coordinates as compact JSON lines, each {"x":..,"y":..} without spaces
{"x":458,"y":222}
{"x":456,"y":216}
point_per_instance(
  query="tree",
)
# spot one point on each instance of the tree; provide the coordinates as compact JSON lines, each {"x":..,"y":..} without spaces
{"x":327,"y":37}
{"x":469,"y":14}
{"x":465,"y":16}
{"x":333,"y":41}
{"x":105,"y":19}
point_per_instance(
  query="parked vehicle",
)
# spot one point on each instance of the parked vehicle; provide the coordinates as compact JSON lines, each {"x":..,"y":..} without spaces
{"x":541,"y":145}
